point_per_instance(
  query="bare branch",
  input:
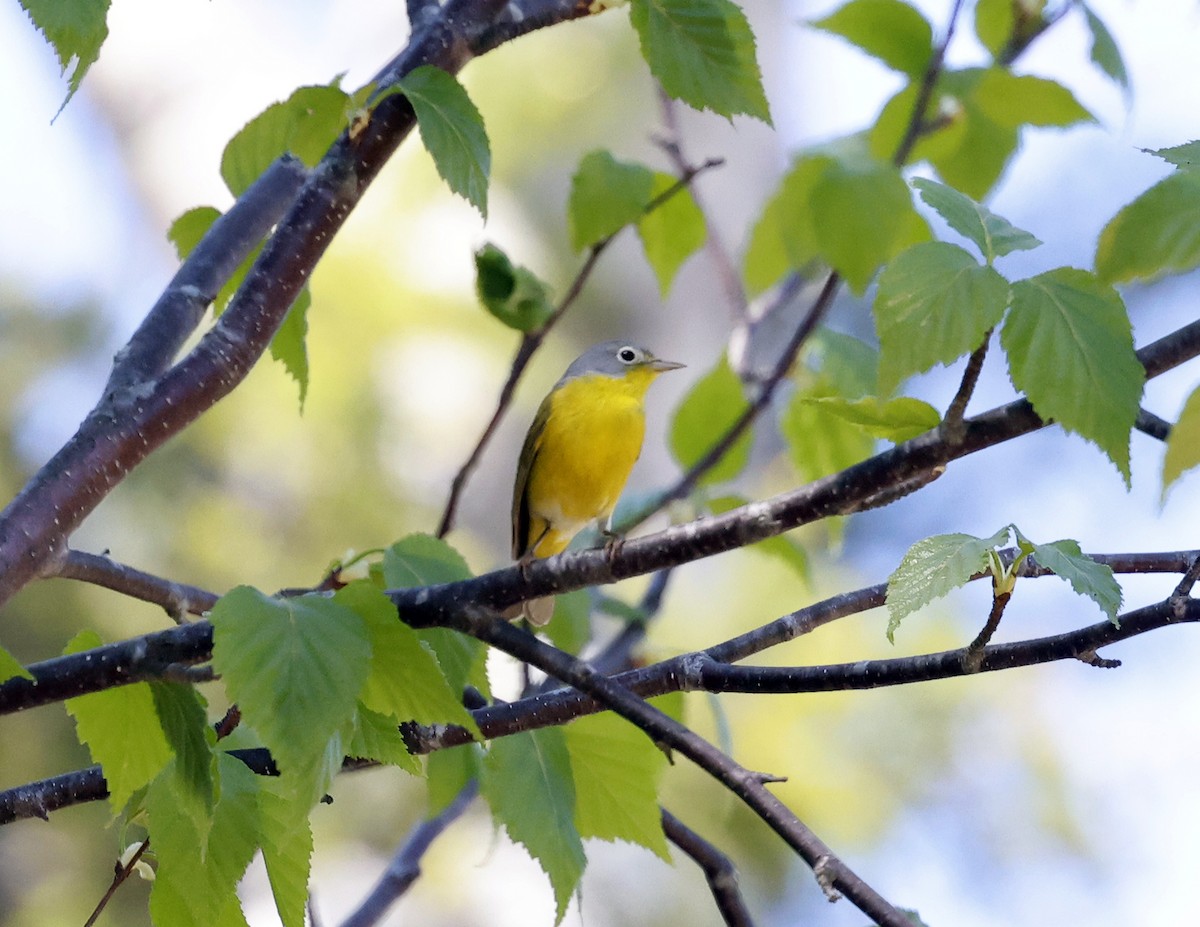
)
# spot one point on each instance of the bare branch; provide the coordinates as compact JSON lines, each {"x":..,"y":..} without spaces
{"x":177,"y":599}
{"x":405,"y":867}
{"x":718,"y":869}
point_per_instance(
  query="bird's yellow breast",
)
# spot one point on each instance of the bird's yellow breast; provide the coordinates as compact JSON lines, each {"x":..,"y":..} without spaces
{"x":590,"y":441}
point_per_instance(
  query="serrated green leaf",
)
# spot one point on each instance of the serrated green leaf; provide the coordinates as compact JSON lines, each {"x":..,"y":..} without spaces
{"x":606,"y":196}
{"x":1183,"y":444}
{"x":305,"y":124}
{"x":933,"y":567}
{"x":1104,"y":52}
{"x":1086,"y":576}
{"x":287,"y":845}
{"x":994,"y":24}
{"x":423,"y":560}
{"x":377,"y":737}
{"x":513,"y":294}
{"x":452,"y":131}
{"x":571,"y":628}
{"x":974,"y":152}
{"x":935,"y":303}
{"x":75,"y":30}
{"x":616,"y":769}
{"x":1154,"y":235}
{"x":994,"y":235}
{"x":448,"y":772}
{"x":702,"y":52}
{"x":1070,"y":350}
{"x":863,"y":216}
{"x":704,"y":416}
{"x":184,"y":721}
{"x":893,"y":420}
{"x":11,"y":668}
{"x":199,"y":870}
{"x":528,"y":783}
{"x":849,"y":364}
{"x":404,"y":680}
{"x":121,"y":729}
{"x":671,"y":232}
{"x":783,"y":238}
{"x":889,"y":30}
{"x":294,"y":666}
{"x":1186,"y":156}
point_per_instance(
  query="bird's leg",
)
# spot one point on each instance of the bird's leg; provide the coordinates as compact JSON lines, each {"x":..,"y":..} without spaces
{"x":613,"y":541}
{"x":530,"y":554}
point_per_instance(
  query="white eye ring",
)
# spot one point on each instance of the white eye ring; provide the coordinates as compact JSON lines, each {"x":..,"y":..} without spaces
{"x":628,"y":355}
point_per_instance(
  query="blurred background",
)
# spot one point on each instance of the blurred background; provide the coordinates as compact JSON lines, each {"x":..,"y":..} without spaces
{"x":1059,"y":794}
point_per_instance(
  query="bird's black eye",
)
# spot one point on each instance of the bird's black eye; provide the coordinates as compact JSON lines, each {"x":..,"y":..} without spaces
{"x":627,"y":355}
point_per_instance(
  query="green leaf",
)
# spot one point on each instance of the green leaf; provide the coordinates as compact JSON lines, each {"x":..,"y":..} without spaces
{"x":305,"y":124}
{"x":993,"y":235}
{"x":75,"y":30}
{"x":819,"y":442}
{"x":848,"y":364}
{"x":933,"y":567}
{"x":976,"y":148}
{"x":1154,"y":235}
{"x":1183,"y":444}
{"x":995,"y":24}
{"x":606,"y":196}
{"x":404,"y":680}
{"x":617,"y":769}
{"x":1086,"y":576}
{"x":783,"y":238}
{"x":289,"y":346}
{"x":863,"y":216}
{"x":448,"y":772}
{"x":423,"y":560}
{"x":377,"y":737}
{"x":934,"y":304}
{"x":287,"y":845}
{"x":190,"y":227}
{"x":1186,"y":156}
{"x":893,"y":420}
{"x":571,"y":628}
{"x":671,"y":232}
{"x":1015,"y":100}
{"x":528,"y":783}
{"x":1105,"y":54}
{"x":11,"y":668}
{"x":452,"y":131}
{"x":184,"y":721}
{"x":121,"y":729}
{"x":702,"y":52}
{"x":513,"y":294}
{"x":198,"y":870}
{"x":1070,"y":350}
{"x":704,"y":416}
{"x":295,"y":667}
{"x":889,"y":30}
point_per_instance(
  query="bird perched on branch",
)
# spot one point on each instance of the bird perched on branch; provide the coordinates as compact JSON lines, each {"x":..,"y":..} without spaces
{"x":579,"y":451}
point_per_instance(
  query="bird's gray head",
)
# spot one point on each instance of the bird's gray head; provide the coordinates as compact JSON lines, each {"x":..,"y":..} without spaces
{"x":615,"y":359}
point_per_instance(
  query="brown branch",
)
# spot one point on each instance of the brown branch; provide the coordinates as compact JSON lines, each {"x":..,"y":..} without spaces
{"x":952,"y":422}
{"x":718,"y":869}
{"x":177,"y":599}
{"x":124,"y":871}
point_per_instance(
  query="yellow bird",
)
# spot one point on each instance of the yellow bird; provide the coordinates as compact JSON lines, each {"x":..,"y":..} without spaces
{"x":579,"y":452}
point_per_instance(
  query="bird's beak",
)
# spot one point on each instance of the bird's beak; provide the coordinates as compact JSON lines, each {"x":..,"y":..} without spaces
{"x":662,"y":366}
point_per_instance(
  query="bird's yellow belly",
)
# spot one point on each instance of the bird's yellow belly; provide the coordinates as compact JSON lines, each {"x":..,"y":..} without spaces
{"x":591,"y":442}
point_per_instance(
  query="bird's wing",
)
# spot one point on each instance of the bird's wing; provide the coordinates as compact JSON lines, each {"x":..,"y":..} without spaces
{"x":529,"y":453}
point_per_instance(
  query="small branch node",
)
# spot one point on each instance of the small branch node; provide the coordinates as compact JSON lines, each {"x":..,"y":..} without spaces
{"x":1091,"y":658}
{"x":823,"y":869}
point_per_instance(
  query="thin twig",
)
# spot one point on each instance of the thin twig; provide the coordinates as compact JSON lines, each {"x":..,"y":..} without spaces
{"x":952,"y":423}
{"x":1149,"y":423}
{"x":123,"y":872}
{"x":718,"y":869}
{"x":177,"y":599}
{"x":405,"y":867}
{"x":916,"y":123}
